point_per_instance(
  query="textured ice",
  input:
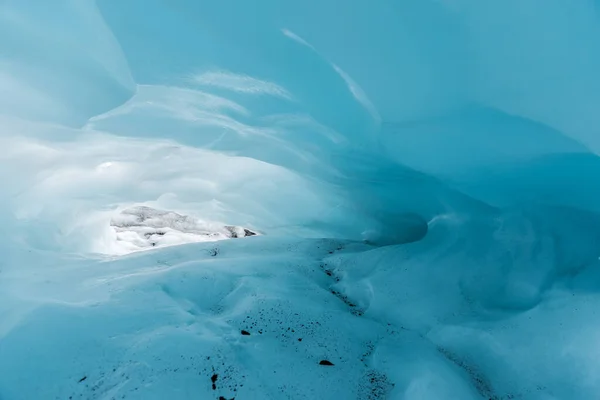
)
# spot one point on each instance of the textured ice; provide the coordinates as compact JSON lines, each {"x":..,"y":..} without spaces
{"x":413,"y":188}
{"x":141,"y":227}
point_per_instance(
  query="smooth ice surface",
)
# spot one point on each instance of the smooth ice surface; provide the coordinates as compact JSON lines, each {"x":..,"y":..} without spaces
{"x":299,"y":200}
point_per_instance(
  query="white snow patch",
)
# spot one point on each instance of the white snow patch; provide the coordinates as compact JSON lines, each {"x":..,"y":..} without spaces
{"x":141,"y":228}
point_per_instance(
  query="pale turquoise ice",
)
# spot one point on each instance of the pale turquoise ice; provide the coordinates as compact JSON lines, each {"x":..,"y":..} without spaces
{"x":423,"y":175}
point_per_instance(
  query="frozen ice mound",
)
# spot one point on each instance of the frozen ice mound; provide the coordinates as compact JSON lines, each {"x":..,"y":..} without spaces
{"x":412,"y":189}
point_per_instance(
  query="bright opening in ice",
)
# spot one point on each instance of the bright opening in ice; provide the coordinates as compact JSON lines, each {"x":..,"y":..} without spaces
{"x":142,"y":227}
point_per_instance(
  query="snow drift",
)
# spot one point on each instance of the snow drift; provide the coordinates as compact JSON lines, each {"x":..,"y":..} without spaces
{"x":413,"y":190}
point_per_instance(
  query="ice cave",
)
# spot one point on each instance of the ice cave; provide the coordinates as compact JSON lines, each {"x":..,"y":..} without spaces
{"x":305,"y":200}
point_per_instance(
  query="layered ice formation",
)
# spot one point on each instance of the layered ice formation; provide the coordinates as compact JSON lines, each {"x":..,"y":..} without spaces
{"x":243,"y":200}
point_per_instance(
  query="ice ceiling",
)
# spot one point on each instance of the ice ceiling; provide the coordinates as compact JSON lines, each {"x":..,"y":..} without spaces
{"x":413,"y":187}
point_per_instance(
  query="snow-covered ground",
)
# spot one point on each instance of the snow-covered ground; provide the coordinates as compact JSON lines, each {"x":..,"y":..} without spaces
{"x":299,"y":200}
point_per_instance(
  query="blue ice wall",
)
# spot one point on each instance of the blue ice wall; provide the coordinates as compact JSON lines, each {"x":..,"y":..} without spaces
{"x":447,"y":151}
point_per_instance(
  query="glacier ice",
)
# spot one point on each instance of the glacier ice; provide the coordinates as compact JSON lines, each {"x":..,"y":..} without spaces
{"x":141,"y":227}
{"x":413,"y":190}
